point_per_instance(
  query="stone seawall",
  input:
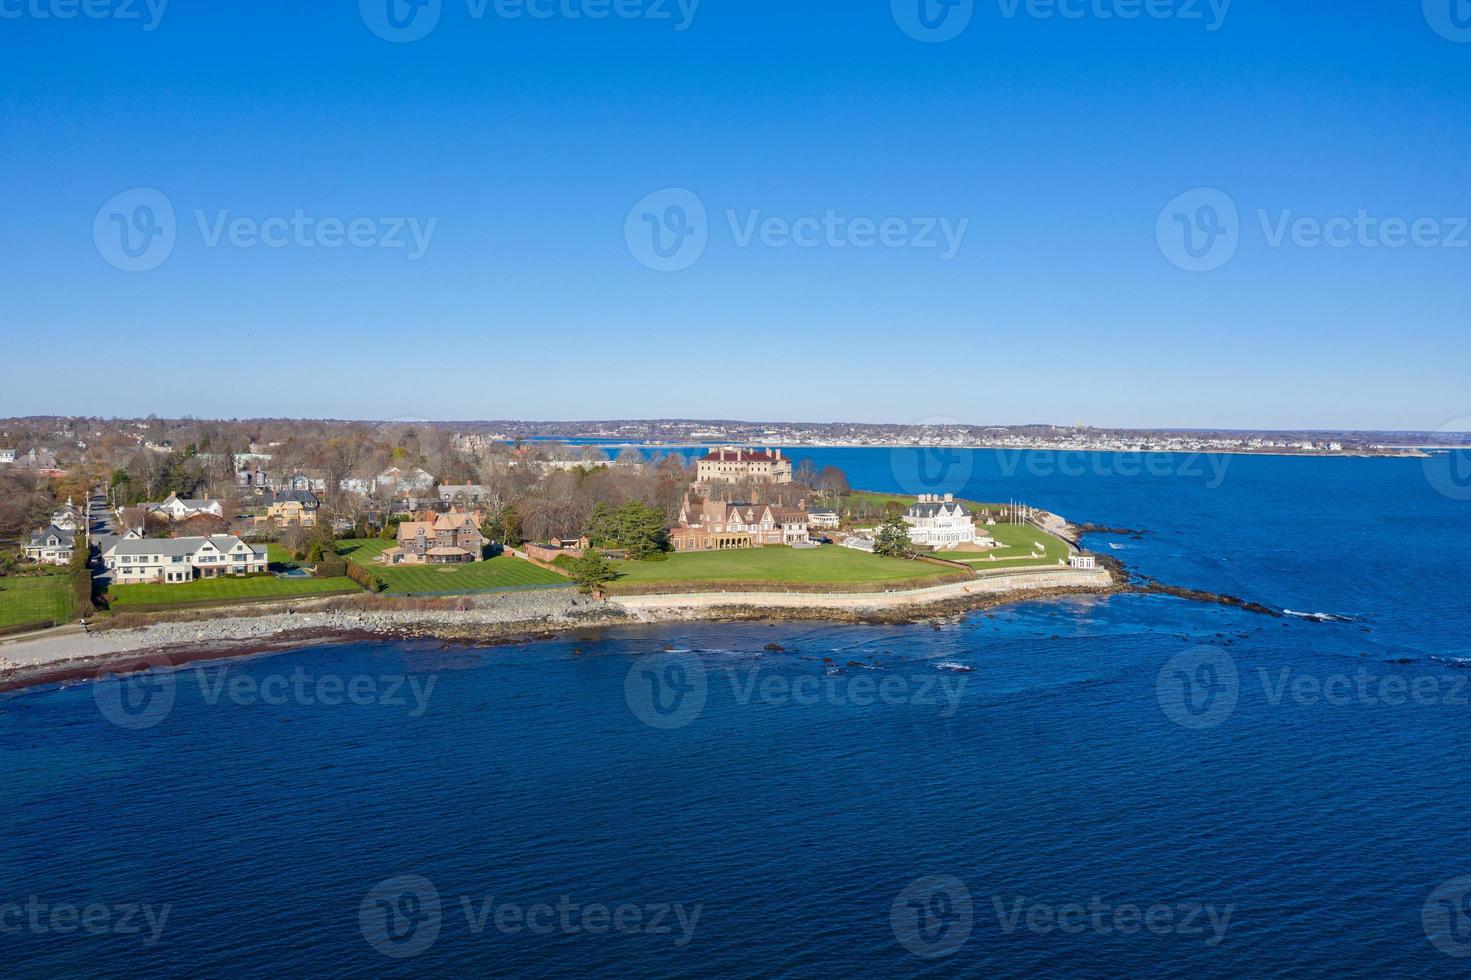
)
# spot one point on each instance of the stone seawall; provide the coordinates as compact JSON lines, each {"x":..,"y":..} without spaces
{"x":992,"y":584}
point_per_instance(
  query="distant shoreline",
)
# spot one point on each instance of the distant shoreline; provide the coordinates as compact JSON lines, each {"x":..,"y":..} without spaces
{"x":1395,"y":452}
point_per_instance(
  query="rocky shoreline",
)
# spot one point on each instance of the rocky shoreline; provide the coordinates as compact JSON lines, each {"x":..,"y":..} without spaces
{"x":509,"y":618}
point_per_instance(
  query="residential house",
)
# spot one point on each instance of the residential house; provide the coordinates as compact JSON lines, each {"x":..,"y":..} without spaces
{"x":53,"y":546}
{"x":404,"y":482}
{"x":176,"y":508}
{"x":446,"y":539}
{"x":304,"y":481}
{"x":356,"y":485}
{"x":731,"y":464}
{"x":68,"y":518}
{"x":822,"y":520}
{"x":132,"y":560}
{"x":41,"y":460}
{"x":461,"y":494}
{"x":290,"y":508}
{"x":7,"y":456}
{"x":940,"y":522}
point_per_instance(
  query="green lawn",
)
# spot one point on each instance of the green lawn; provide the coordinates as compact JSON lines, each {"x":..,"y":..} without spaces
{"x":30,"y":599}
{"x":826,"y":565}
{"x":224,"y":588}
{"x":501,"y":572}
{"x":1018,"y":543}
{"x":280,"y":557}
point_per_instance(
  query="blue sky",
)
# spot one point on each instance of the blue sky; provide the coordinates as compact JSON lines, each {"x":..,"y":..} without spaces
{"x":520,"y":147}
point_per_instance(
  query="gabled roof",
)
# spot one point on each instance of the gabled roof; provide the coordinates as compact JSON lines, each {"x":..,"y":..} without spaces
{"x":176,"y":547}
{"x":65,"y":537}
{"x":937,"y":509}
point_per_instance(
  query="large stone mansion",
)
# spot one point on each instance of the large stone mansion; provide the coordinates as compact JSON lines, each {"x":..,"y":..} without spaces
{"x":731,"y":464}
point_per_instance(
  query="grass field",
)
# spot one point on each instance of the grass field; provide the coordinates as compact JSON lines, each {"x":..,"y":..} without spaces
{"x":281,"y":559}
{"x":30,"y":599}
{"x":501,"y":572}
{"x":1018,"y":543}
{"x":827,"y":565}
{"x":224,"y":588}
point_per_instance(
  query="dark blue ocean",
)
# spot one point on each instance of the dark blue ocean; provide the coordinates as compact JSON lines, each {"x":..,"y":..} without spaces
{"x":1137,"y":786}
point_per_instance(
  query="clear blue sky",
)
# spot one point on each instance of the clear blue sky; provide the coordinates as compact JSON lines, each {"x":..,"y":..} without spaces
{"x":529,"y":140}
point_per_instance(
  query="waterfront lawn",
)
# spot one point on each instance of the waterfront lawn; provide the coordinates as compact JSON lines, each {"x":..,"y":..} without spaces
{"x":827,"y":565}
{"x":229,"y":588}
{"x":31,"y":599}
{"x":877,"y":501}
{"x":1018,"y":543}
{"x":280,"y":557}
{"x":501,"y":572}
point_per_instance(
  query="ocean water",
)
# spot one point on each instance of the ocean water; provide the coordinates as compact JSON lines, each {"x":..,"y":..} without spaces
{"x":1133,"y":786}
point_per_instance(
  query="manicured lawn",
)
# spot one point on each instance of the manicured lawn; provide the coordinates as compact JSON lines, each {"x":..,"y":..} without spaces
{"x":829,"y":564}
{"x":30,"y":599}
{"x":280,"y":557}
{"x":504,"y":571}
{"x":1018,"y":543}
{"x":224,"y":588}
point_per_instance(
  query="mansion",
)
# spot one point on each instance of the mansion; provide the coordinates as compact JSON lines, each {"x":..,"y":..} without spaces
{"x":940,"y":522}
{"x":715,"y":525}
{"x":730,"y":464}
{"x":447,"y":539}
{"x":182,"y":559}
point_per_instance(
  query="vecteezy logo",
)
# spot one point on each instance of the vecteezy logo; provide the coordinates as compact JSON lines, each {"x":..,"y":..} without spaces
{"x":135,"y":231}
{"x":667,"y":231}
{"x":1449,"y":470}
{"x":932,"y":21}
{"x":400,"y":917}
{"x":401,"y":21}
{"x":666,"y":690}
{"x":1451,"y":19}
{"x":932,"y":916}
{"x":1446,"y":917}
{"x":1200,"y":230}
{"x":921,"y":469}
{"x":1198,"y":688}
{"x":136,"y":701}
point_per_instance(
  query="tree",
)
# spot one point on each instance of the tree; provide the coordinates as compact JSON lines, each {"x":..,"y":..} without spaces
{"x":510,"y":526}
{"x":600,"y":528}
{"x":891,"y":538}
{"x":640,"y":529}
{"x":591,"y":572}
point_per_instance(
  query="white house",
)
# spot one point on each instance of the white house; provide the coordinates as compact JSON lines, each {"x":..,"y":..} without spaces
{"x":53,"y":546}
{"x":177,"y":508}
{"x":182,"y":559}
{"x":7,"y":455}
{"x":397,"y":481}
{"x":356,"y":485}
{"x":940,"y":522}
{"x":68,"y":519}
{"x":824,"y":520}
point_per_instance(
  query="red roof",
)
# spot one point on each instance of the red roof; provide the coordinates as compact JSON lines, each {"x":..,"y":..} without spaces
{"x":741,"y":456}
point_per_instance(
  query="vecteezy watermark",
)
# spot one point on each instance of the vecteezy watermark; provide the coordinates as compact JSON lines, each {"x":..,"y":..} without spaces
{"x":932,"y":916}
{"x":1209,"y":467}
{"x":1446,"y":917}
{"x":932,"y":21}
{"x":142,"y":700}
{"x":1451,"y":19}
{"x":668,"y":230}
{"x":935,"y":21}
{"x":148,"y":13}
{"x":43,"y":918}
{"x":669,"y":690}
{"x":1198,"y":689}
{"x":1015,"y":913}
{"x":403,"y":21}
{"x":403,"y":916}
{"x":137,"y":230}
{"x":1449,"y":469}
{"x":1201,"y":230}
{"x":932,"y":464}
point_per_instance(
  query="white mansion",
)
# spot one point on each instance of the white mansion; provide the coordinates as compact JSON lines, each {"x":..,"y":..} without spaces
{"x":182,"y":559}
{"x":940,"y":522}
